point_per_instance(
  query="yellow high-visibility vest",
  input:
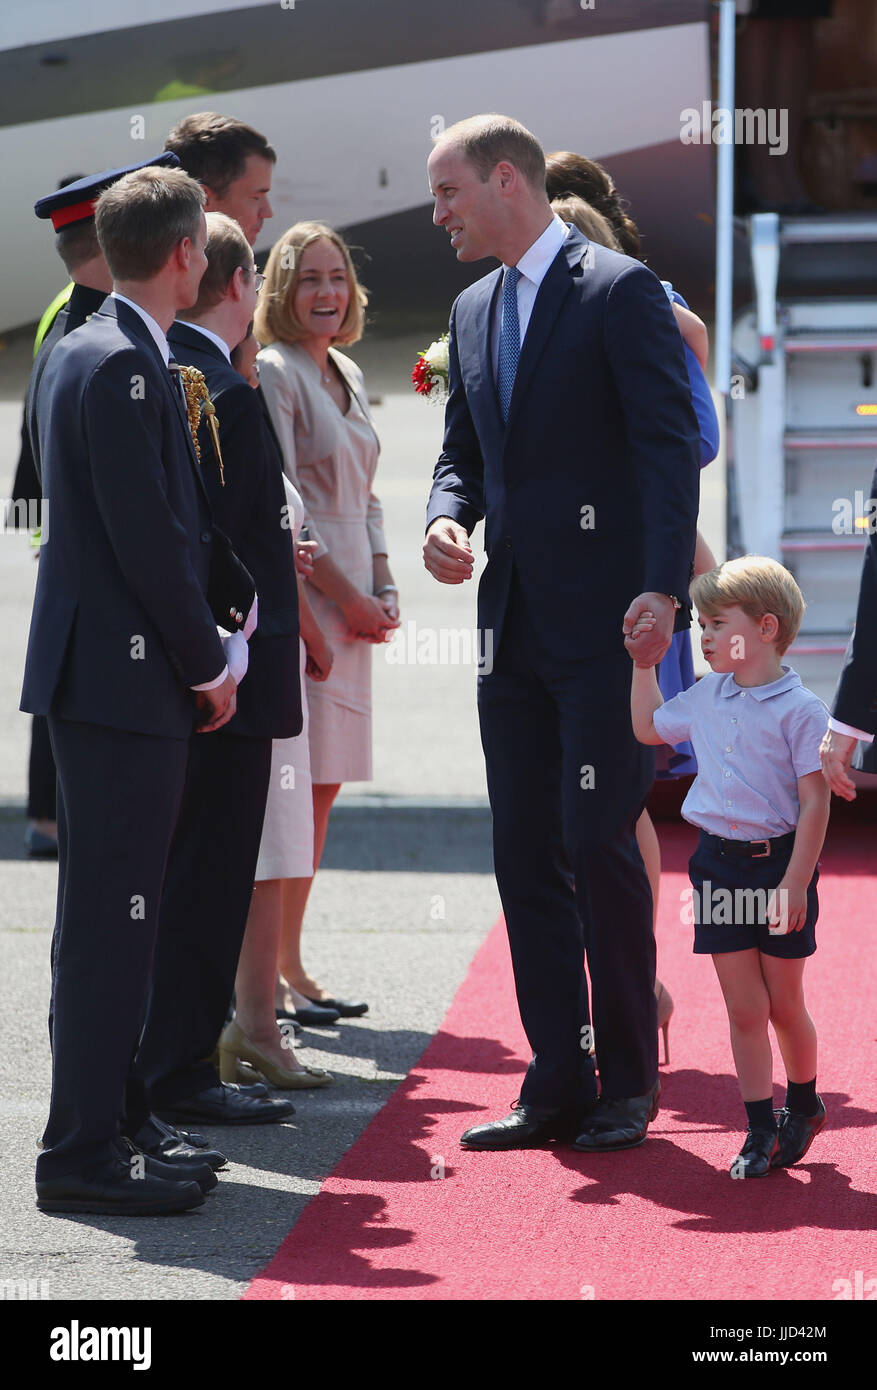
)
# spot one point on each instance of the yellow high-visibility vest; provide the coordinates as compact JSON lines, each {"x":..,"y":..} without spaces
{"x":50,"y":315}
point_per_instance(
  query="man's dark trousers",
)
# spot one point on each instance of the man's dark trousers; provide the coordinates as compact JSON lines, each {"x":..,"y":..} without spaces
{"x":564,"y":770}
{"x":123,"y":790}
{"x":206,"y":898}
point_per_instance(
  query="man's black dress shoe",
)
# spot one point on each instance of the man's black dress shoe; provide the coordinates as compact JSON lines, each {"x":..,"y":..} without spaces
{"x":756,"y":1156}
{"x":796,"y":1134}
{"x":109,"y":1189}
{"x":525,"y":1128}
{"x":618,"y":1124}
{"x":226,"y":1105}
{"x":346,"y":1008}
{"x":192,"y":1169}
{"x":162,"y":1141}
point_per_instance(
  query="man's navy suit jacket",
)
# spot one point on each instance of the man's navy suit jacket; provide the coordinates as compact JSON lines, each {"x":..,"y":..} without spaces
{"x":855,"y":702}
{"x":121,"y":626}
{"x":600,"y":417}
{"x":251,"y":509}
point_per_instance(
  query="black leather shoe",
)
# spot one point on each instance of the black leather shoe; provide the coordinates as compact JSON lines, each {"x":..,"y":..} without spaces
{"x":190,"y":1169}
{"x":618,"y":1124}
{"x":346,"y":1008}
{"x":225,"y":1105}
{"x":525,"y":1128}
{"x":109,"y":1189}
{"x":165,"y":1143}
{"x":756,"y":1156}
{"x":796,"y":1134}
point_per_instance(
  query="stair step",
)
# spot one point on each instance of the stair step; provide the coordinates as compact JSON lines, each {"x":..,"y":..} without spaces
{"x":829,"y":439}
{"x":807,"y":341}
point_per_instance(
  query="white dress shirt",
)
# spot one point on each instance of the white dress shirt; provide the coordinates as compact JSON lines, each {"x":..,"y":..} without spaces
{"x":533,"y":266}
{"x":841,"y":728}
{"x":208,"y":333}
{"x":155,"y":329}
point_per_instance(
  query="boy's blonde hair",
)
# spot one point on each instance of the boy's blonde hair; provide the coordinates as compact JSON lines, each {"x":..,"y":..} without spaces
{"x":571,"y":208}
{"x":758,"y":585}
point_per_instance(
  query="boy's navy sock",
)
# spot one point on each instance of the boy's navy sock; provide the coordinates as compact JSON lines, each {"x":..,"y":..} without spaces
{"x":760,"y":1114}
{"x":801,"y":1097}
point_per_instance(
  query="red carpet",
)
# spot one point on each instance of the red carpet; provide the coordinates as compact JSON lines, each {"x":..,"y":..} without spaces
{"x":664,"y":1221}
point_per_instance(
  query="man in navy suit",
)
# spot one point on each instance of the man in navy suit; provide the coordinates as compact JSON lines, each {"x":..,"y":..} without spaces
{"x":123,"y":653}
{"x":854,"y":712}
{"x":569,"y":429}
{"x":213,"y":857}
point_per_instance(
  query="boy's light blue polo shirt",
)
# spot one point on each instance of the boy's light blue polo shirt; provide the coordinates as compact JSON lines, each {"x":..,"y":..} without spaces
{"x":752,"y":744}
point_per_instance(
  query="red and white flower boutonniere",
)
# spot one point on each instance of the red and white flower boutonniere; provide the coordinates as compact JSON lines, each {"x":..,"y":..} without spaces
{"x":430,"y":374}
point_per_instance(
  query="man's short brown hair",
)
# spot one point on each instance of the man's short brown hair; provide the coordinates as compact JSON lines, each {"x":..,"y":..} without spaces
{"x":489,"y":139}
{"x":227,"y":250}
{"x":141,"y":219}
{"x":214,"y":149}
{"x":77,"y":244}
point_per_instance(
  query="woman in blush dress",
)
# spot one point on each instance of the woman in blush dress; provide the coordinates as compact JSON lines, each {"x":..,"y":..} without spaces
{"x":316,"y":396}
{"x":286,"y":851}
{"x":582,"y":192}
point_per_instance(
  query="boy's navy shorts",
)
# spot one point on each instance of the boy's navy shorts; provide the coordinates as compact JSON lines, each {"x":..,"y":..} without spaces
{"x":727,"y":918}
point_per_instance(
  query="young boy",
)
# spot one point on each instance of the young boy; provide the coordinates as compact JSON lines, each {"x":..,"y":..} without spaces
{"x":761,"y":805}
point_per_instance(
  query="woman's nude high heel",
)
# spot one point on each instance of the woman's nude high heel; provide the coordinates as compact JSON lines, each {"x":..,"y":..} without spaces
{"x":235,"y":1044}
{"x":665,"y":1012}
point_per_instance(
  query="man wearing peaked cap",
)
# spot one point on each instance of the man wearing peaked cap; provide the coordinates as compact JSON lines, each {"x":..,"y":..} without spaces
{"x":123,"y":652}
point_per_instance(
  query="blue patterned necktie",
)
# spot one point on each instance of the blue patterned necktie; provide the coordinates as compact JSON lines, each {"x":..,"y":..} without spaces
{"x":509,"y":340}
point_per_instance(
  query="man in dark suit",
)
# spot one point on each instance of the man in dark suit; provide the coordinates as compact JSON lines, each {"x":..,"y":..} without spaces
{"x":569,"y":429}
{"x":123,"y":652}
{"x":213,"y":857}
{"x":854,"y":712}
{"x":71,"y":212}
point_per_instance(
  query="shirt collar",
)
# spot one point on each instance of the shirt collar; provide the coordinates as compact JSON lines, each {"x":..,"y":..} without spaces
{"x":155,"y":329}
{"x":787,"y":681}
{"x":214,"y":337}
{"x":537,"y":258}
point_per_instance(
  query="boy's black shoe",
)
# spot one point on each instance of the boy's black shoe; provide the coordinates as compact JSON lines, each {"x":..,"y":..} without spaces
{"x":755,"y":1158}
{"x":796,"y":1134}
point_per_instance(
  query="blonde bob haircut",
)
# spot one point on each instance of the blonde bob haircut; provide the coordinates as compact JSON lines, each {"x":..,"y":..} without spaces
{"x":758,"y":585}
{"x":276,"y":320}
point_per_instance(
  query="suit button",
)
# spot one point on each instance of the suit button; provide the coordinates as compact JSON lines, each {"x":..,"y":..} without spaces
{"x":507,"y":542}
{"x":205,"y":536}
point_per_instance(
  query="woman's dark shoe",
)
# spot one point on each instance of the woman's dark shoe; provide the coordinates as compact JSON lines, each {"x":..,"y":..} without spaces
{"x":755,"y":1157}
{"x":346,"y":1008}
{"x":287,"y":1016}
{"x":796,"y":1134}
{"x":315,"y":1016}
